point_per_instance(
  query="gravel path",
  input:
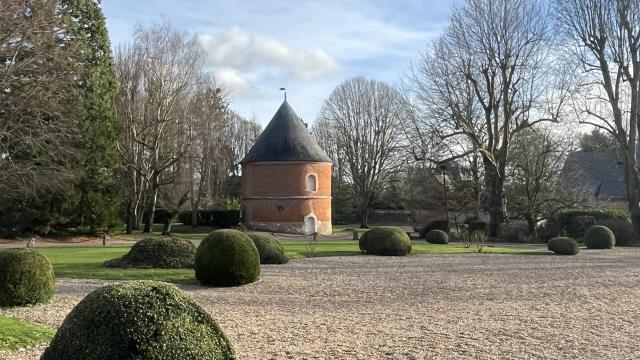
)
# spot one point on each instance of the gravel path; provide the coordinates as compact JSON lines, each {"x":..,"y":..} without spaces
{"x":419,"y":307}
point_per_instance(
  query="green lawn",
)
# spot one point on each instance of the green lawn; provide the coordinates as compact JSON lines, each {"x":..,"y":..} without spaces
{"x":86,"y":262}
{"x":16,"y":334}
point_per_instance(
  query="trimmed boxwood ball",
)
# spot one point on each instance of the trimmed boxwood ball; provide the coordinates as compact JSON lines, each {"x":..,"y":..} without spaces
{"x":162,"y":253}
{"x":143,"y":319}
{"x":599,"y":237}
{"x":387,"y":241}
{"x":270,"y":249}
{"x":437,"y":237}
{"x":563,"y":246}
{"x":227,"y":258}
{"x":26,"y":278}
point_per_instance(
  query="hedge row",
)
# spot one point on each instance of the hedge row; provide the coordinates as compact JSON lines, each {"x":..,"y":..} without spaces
{"x":219,"y":218}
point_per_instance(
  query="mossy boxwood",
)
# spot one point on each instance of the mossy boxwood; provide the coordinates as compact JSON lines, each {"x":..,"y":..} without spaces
{"x":227,"y":258}
{"x":26,"y":278}
{"x":386,"y":240}
{"x":161,"y":253}
{"x":141,"y":319}
{"x":270,"y":249}
{"x":563,"y":246}
{"x":599,"y":237}
{"x":437,"y":237}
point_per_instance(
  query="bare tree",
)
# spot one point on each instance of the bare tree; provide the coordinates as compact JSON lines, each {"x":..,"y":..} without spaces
{"x":604,"y":38}
{"x":38,"y":109}
{"x":486,"y":79}
{"x":157,"y":73}
{"x":537,"y":158}
{"x":365,"y":117}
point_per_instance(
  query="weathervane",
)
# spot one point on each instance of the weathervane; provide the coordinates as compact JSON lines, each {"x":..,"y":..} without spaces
{"x":285,"y":93}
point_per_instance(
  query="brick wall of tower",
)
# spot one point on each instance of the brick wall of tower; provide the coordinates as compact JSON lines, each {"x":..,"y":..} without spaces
{"x":276,"y":196}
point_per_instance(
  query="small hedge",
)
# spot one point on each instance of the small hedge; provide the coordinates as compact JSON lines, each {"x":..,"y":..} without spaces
{"x":599,"y":237}
{"x":138,"y":320}
{"x":576,"y":222}
{"x":227,"y":258}
{"x":563,"y":246}
{"x":220,"y":218}
{"x":387,"y":241}
{"x":437,"y":237}
{"x":226,"y":218}
{"x":270,"y":249}
{"x":161,"y":253}
{"x":478,"y":225}
{"x":434,"y":225}
{"x":26,"y":278}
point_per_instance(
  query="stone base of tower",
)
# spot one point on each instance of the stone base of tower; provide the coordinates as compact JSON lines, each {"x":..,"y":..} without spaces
{"x":322,"y":227}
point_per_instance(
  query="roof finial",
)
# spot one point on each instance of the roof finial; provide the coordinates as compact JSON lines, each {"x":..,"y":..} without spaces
{"x":285,"y":93}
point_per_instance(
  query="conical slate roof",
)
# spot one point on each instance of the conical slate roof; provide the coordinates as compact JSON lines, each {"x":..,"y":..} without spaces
{"x":286,"y":139}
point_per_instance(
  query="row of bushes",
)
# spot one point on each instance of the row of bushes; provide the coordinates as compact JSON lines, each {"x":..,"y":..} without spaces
{"x":220,"y":218}
{"x":596,"y":237}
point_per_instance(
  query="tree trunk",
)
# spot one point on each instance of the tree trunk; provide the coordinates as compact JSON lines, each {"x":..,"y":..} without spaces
{"x":495,"y":198}
{"x":130,"y":218}
{"x":632,"y":195}
{"x":364,"y":217}
{"x":194,"y":215}
{"x":166,"y":230}
{"x":151,"y":207}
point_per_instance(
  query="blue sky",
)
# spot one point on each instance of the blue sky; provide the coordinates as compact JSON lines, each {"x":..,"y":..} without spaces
{"x":309,"y":47}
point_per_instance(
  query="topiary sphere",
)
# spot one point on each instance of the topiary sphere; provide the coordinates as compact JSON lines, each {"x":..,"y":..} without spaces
{"x":149,"y":320}
{"x":387,"y":240}
{"x":270,"y":249}
{"x":162,"y":253}
{"x":599,"y":237}
{"x":437,"y":237}
{"x":563,"y":246}
{"x":26,"y":278}
{"x":227,"y":258}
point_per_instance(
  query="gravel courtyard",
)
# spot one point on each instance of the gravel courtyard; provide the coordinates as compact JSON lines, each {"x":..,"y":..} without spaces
{"x":419,"y":307}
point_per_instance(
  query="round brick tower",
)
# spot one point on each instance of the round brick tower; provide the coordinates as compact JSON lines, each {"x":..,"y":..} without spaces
{"x":286,"y":179}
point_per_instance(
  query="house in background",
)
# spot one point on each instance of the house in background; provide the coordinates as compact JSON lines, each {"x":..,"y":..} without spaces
{"x":599,"y":176}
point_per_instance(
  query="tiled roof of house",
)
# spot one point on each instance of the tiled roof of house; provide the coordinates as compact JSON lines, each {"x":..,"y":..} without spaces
{"x":602,"y":174}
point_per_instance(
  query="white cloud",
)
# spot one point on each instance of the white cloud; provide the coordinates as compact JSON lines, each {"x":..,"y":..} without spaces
{"x":239,"y":84}
{"x":247,"y":53}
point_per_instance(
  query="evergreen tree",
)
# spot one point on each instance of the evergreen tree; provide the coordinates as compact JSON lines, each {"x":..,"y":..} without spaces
{"x":94,"y":202}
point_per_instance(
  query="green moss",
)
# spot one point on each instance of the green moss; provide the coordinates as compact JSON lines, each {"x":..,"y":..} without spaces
{"x":160,"y":253}
{"x":563,"y":246}
{"x":270,"y":249}
{"x":26,"y":278}
{"x":387,"y":241}
{"x":227,"y":258}
{"x":599,"y":237}
{"x":437,"y":237}
{"x":138,"y":320}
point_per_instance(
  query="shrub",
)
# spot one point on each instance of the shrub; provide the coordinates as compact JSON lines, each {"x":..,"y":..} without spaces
{"x":227,"y":258}
{"x":599,"y":237}
{"x":226,"y":218}
{"x":547,"y":231}
{"x":388,"y":240}
{"x":434,"y":225}
{"x":138,"y":320}
{"x":26,"y":278}
{"x":622,"y":230}
{"x":185,"y":217}
{"x":162,"y":215}
{"x":270,"y":249}
{"x":576,"y":222}
{"x":437,"y":237}
{"x":478,"y":225}
{"x":162,"y":253}
{"x":563,"y":246}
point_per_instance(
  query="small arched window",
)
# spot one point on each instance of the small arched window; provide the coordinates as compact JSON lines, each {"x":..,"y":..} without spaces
{"x":312,"y":183}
